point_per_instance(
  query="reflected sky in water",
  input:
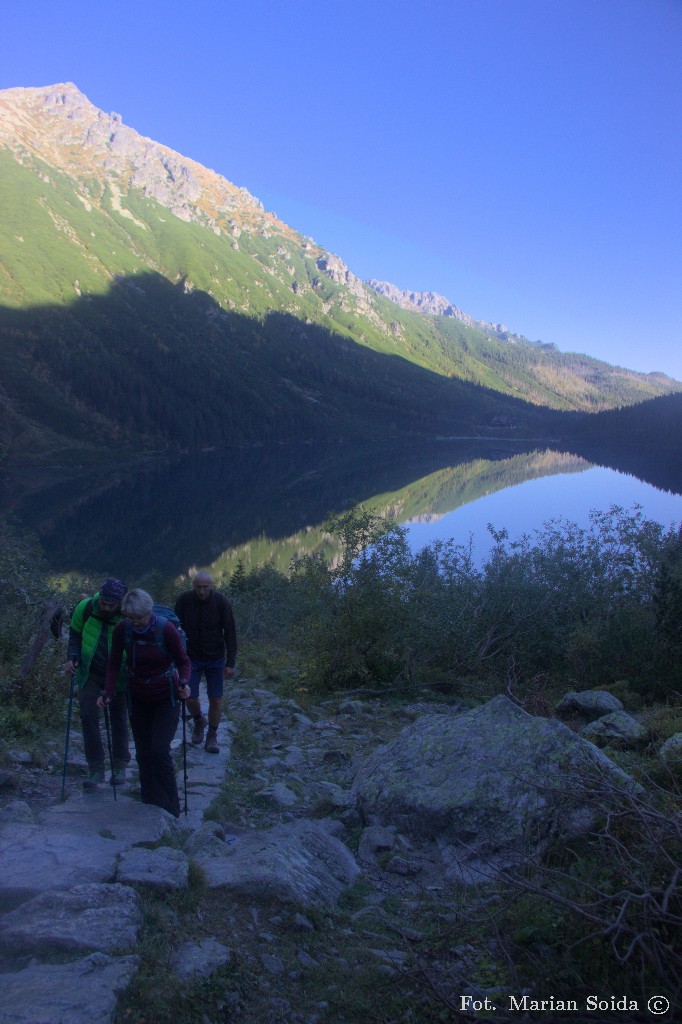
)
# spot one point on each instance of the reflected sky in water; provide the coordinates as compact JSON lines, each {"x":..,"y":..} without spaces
{"x":525,"y":507}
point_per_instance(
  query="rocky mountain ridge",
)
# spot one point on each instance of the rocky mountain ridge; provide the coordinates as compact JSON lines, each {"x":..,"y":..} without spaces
{"x":434,"y":304}
{"x":107,"y":161}
{"x":59,"y":125}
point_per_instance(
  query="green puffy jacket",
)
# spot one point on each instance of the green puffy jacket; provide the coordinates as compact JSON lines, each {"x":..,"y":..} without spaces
{"x":84,"y":634}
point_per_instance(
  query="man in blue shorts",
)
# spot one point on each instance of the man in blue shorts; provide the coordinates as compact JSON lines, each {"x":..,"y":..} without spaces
{"x":208,"y":621}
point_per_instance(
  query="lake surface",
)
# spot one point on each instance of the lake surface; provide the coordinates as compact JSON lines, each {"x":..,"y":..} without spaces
{"x":154,"y":521}
{"x":525,"y":507}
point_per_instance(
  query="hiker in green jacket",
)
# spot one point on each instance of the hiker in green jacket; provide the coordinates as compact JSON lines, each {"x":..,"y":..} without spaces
{"x":90,"y":632}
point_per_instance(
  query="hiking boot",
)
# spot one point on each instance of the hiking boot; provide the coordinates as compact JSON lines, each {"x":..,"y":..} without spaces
{"x":94,"y":780}
{"x":211,"y":744}
{"x":198,"y":731}
{"x":118,"y":777}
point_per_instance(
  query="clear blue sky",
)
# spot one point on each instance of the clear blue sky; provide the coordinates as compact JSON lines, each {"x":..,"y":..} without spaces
{"x":522,"y":157}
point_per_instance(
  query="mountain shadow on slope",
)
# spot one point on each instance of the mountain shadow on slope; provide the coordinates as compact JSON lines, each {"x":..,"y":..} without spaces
{"x":155,"y":364}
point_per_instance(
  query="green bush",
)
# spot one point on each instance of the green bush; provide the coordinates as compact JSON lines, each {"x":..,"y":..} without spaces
{"x":578,"y":601}
{"x":573,"y":607}
{"x":580,"y":607}
{"x":351,"y":629}
{"x":30,"y":700}
{"x":22,"y":593}
{"x":605,"y":909}
{"x":261,"y":600}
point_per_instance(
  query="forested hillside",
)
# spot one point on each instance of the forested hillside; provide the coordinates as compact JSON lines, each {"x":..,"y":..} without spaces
{"x":632,"y":434}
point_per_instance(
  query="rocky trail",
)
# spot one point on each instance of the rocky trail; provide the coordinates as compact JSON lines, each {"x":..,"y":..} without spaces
{"x":279,"y":906}
{"x":338,"y":863}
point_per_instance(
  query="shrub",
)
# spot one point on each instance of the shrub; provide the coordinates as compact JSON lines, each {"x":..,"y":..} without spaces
{"x":262,"y":604}
{"x":30,"y":699}
{"x":23,"y":592}
{"x":614,"y":901}
{"x":351,"y":621}
{"x":590,"y":606}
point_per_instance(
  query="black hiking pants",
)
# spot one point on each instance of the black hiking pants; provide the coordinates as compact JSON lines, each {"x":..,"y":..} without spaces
{"x":154,"y":727}
{"x":94,"y":746}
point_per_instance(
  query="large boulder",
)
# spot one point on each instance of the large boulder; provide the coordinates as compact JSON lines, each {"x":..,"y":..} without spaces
{"x":86,"y":918}
{"x":83,"y":992}
{"x":298,"y":863}
{"x":618,"y":729}
{"x":34,"y":860}
{"x":489,"y":786}
{"x":162,"y":869}
{"x":589,"y":704}
{"x":671,"y":751}
{"x":124,"y":821}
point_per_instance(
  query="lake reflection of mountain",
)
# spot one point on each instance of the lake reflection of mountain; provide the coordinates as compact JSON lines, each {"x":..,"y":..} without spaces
{"x":159,"y":518}
{"x":428,"y":498}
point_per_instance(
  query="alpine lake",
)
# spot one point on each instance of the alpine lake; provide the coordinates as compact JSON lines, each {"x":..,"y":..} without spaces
{"x":157,"y":519}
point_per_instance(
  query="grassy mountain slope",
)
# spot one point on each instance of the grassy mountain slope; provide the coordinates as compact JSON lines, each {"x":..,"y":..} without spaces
{"x":275,"y":329}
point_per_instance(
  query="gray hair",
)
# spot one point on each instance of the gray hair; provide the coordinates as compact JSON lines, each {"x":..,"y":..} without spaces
{"x":137,"y":602}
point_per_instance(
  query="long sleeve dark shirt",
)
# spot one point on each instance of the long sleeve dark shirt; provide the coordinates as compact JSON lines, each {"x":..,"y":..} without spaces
{"x":209,"y":625}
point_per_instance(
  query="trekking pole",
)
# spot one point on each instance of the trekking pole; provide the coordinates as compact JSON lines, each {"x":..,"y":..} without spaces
{"x":107,"y":725}
{"x":68,"y":729}
{"x":184,"y":750}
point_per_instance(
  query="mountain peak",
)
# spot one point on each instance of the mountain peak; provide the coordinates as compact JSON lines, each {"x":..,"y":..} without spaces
{"x":58,"y":125}
{"x":34,"y":102}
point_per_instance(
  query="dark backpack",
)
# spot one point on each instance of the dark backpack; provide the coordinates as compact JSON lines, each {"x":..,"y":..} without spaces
{"x":163,"y":611}
{"x":163,"y":615}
